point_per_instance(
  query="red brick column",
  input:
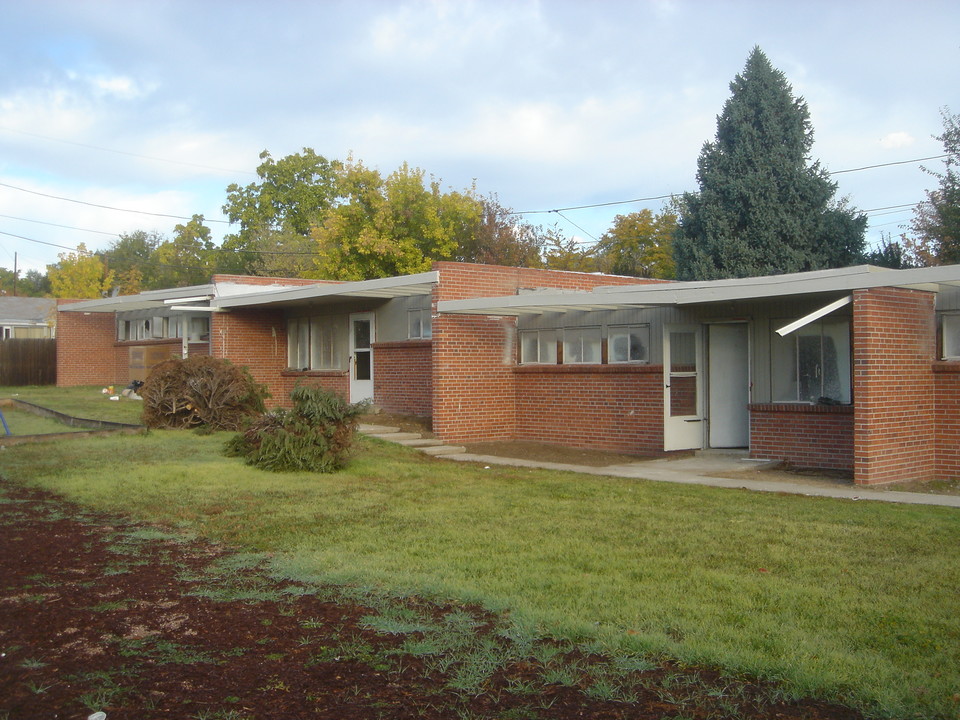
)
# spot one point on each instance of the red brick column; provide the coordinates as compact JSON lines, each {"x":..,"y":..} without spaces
{"x":87,"y":352}
{"x":404,"y":383}
{"x":256,"y":340}
{"x":946,"y":376}
{"x":893,"y":388}
{"x":473,"y":383}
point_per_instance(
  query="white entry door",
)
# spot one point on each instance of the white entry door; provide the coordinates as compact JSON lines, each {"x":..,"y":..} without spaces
{"x":728,"y":376}
{"x":683,"y":387}
{"x":362,"y":336}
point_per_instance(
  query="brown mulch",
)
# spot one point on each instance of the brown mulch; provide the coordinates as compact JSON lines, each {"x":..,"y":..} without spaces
{"x":99,"y":614}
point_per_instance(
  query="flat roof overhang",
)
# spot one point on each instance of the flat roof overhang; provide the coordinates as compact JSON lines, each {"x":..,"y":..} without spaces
{"x":147,"y":300}
{"x":843,"y":280}
{"x":380,"y":288}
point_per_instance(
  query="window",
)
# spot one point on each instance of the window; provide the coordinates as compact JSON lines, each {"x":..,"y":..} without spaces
{"x":313,"y":344}
{"x":161,"y":327}
{"x":950,"y":324}
{"x":419,"y":324}
{"x":812,"y":364}
{"x":538,"y":347}
{"x":628,"y":344}
{"x":199,"y":329}
{"x":581,"y":345}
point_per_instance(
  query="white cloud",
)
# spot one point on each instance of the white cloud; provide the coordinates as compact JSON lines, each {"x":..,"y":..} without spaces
{"x":896,"y":140}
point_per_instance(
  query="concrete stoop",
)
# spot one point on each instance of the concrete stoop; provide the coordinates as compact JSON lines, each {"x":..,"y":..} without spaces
{"x":430,"y":446}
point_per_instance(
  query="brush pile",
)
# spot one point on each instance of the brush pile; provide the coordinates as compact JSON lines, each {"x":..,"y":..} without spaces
{"x":200,"y":392}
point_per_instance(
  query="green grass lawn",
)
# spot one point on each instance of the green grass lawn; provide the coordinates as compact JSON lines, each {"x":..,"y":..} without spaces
{"x":85,"y":402}
{"x":22,"y":422}
{"x":850,"y":601}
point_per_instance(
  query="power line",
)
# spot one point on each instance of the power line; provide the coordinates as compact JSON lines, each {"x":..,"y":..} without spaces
{"x":66,"y":227}
{"x":128,"y":154}
{"x":107,"y":207}
{"x":664,"y":197}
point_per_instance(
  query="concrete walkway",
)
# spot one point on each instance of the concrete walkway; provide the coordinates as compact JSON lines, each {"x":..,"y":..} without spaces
{"x":702,"y":468}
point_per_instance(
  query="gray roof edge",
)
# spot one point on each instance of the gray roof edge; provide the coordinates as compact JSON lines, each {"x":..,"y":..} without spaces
{"x":825,"y":281}
{"x":322,"y":289}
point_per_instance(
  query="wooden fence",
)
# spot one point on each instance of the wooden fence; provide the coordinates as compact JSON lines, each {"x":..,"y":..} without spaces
{"x":28,"y":361}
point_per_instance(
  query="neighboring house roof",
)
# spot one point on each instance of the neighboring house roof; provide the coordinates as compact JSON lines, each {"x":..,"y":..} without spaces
{"x":29,"y":311}
{"x":842,"y":280}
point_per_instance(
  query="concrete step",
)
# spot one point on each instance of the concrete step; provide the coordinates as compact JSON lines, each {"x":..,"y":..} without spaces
{"x":376,"y":429}
{"x":437,"y":450}
{"x":398,"y":437}
{"x":421,"y":442}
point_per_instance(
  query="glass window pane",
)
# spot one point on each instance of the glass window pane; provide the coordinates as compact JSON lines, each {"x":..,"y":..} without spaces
{"x":619,"y":346}
{"x":683,"y":351}
{"x":591,"y":345}
{"x":951,"y":336}
{"x":809,"y":363}
{"x":426,"y":324}
{"x":528,"y":347}
{"x":292,"y":334}
{"x":783,"y":367}
{"x":361,"y":334}
{"x":548,"y":347}
{"x":361,"y":362}
{"x":836,"y":360}
{"x":414,"y":329}
{"x":683,"y":396}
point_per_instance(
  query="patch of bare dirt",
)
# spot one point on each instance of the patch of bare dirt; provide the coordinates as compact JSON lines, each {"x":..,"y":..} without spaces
{"x":97,"y":614}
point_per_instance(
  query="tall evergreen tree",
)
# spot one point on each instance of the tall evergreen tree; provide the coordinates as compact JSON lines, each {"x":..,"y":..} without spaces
{"x":763,"y":208}
{"x":936,"y":221}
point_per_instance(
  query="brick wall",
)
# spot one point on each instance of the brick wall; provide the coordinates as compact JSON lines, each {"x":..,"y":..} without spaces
{"x":403,"y":377}
{"x":606,"y":407}
{"x":893,"y":389}
{"x":475,"y":387}
{"x":808,"y":436}
{"x":946,"y":376}
{"x":257,"y":340}
{"x":86,"y":349}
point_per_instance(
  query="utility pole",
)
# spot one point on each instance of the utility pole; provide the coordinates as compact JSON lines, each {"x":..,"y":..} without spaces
{"x":14,"y":274}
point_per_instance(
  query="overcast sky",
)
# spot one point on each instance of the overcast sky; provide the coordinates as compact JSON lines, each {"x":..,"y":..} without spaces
{"x":157,"y":106}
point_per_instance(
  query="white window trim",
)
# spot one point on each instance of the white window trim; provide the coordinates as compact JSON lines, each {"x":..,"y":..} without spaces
{"x":537,"y":332}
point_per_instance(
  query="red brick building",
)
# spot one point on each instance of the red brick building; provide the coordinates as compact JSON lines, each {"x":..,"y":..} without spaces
{"x":855,"y":369}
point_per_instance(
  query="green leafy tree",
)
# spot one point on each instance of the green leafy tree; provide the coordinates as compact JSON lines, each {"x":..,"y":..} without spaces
{"x":763,"y":208}
{"x":190,"y":258}
{"x":936,"y":221}
{"x":291,"y":196}
{"x":563,"y":253}
{"x":639,"y":244}
{"x":131,"y":258}
{"x":500,"y":238}
{"x":391,"y":227}
{"x":32,"y":283}
{"x":80,"y":274}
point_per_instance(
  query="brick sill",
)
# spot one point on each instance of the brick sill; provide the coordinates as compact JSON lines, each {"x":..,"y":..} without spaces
{"x":313,"y":373}
{"x":947,"y":366}
{"x":401,"y":344}
{"x":801,"y":408}
{"x":157,"y":341}
{"x":616,"y":369}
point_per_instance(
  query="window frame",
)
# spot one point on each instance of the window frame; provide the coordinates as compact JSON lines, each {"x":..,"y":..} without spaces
{"x":950,"y":336}
{"x":545,"y":338}
{"x":578,"y":336}
{"x":424,"y":322}
{"x":844,"y":364}
{"x":614,"y":331}
{"x":312,"y":343}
